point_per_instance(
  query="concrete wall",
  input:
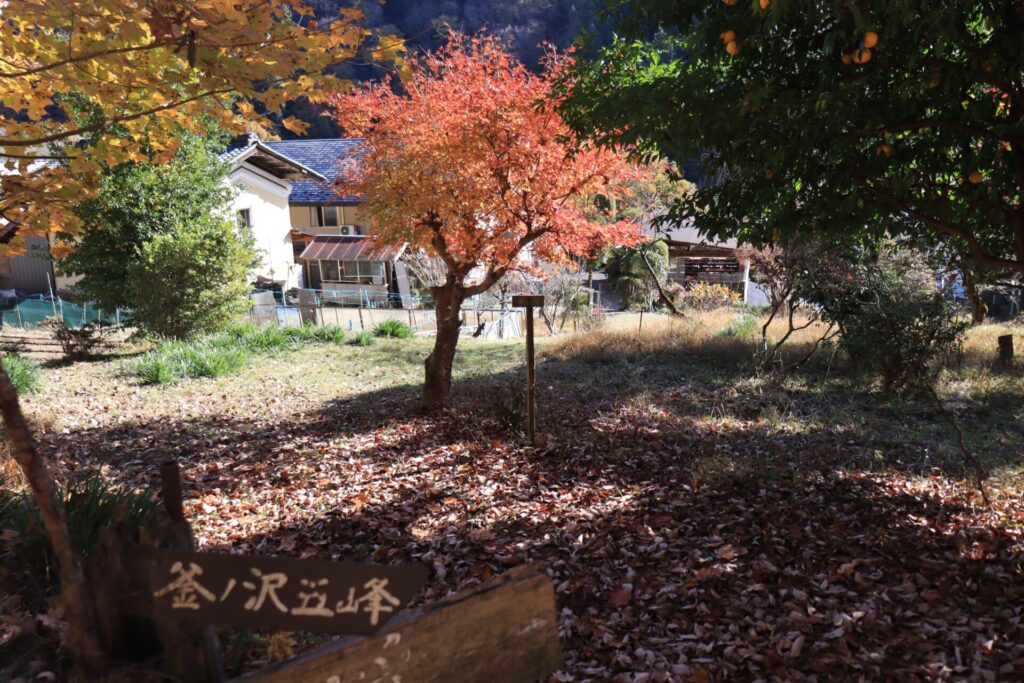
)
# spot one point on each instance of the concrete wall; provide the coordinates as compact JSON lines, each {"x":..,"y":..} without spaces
{"x":266,"y":198}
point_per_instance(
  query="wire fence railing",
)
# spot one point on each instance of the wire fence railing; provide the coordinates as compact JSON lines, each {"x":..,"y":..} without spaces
{"x":28,"y":312}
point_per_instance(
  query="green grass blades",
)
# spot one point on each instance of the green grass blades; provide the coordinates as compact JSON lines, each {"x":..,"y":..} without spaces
{"x":395,"y":329}
{"x":24,"y":373}
{"x":363,"y":339}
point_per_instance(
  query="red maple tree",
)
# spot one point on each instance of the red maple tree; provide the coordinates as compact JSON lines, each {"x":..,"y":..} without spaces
{"x":472,"y":163}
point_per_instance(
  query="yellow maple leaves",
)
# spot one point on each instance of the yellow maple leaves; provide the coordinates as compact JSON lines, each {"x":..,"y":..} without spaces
{"x":99,"y":82}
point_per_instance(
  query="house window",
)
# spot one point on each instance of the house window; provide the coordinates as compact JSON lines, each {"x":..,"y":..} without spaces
{"x":244,"y":218}
{"x":329,"y":271}
{"x":326,"y":216}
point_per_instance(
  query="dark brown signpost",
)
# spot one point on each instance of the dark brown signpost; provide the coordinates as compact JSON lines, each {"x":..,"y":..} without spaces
{"x":159,"y":598}
{"x":277,"y":593}
{"x":529,"y":301}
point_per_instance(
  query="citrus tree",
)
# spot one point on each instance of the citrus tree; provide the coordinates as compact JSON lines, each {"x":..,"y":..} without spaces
{"x":807,"y":118}
{"x":472,"y":163}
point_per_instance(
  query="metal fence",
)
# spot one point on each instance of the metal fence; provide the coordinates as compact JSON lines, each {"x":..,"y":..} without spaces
{"x":27,"y":312}
{"x":362,"y":310}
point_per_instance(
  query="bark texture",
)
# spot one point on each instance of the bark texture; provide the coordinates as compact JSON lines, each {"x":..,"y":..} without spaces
{"x":78,"y":602}
{"x":437,"y":384}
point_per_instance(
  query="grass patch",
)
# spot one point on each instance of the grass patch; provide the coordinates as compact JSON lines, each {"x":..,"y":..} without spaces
{"x":743,"y":325}
{"x":363,"y":339}
{"x":224,"y":354}
{"x":395,"y":329}
{"x":24,"y":373}
{"x":91,"y":505}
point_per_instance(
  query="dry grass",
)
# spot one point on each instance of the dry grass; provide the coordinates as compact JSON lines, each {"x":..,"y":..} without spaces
{"x":627,"y":336}
{"x":698,"y":335}
{"x":981,"y":347}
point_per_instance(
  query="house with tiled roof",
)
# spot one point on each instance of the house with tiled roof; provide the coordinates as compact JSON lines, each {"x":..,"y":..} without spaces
{"x":307,"y":234}
{"x":320,"y":241}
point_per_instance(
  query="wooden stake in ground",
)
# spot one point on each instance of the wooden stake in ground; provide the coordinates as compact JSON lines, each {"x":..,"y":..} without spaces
{"x":529,"y":301}
{"x":1006,"y":351}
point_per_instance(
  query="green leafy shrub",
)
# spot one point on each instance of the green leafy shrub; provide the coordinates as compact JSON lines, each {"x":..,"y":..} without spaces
{"x":91,"y":505}
{"x":363,"y":339}
{"x":24,"y":373}
{"x":892,"y":318}
{"x":392,"y":328}
{"x":156,"y":240}
{"x":744,"y":325}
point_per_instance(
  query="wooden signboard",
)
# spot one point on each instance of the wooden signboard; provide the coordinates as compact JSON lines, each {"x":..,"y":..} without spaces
{"x":277,"y":593}
{"x":504,"y":631}
{"x":158,"y":599}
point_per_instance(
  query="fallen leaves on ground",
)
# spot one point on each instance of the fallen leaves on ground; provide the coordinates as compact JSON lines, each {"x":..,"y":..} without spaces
{"x":800,"y":570}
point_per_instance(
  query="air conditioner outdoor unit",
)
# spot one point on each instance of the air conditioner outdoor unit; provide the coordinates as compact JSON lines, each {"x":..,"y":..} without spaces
{"x":345,"y":230}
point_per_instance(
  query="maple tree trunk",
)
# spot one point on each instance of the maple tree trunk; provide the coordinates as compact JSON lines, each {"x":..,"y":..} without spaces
{"x":78,"y":602}
{"x":437,"y":383}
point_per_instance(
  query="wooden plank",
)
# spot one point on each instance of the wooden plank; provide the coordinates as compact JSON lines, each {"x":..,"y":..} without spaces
{"x":505,"y":631}
{"x":521,"y":300}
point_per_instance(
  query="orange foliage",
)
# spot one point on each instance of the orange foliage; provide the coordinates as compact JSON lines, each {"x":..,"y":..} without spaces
{"x":474,"y":164}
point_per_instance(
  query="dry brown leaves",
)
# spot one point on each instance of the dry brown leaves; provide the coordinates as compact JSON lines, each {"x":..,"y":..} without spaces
{"x":811,"y":573}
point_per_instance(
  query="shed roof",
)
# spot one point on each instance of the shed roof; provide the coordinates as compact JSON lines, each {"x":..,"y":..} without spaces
{"x":349,"y":248}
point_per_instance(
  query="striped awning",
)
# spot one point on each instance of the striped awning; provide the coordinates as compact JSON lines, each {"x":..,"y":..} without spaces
{"x":349,"y":248}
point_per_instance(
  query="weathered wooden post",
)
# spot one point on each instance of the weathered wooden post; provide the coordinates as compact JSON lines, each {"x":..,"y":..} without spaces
{"x":1006,"y":351}
{"x":529,"y":301}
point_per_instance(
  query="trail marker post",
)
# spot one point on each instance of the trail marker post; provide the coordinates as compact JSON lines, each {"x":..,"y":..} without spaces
{"x":529,"y":301}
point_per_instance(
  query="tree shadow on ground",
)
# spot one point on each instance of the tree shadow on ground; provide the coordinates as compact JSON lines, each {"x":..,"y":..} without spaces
{"x":745,"y":577}
{"x":690,"y":519}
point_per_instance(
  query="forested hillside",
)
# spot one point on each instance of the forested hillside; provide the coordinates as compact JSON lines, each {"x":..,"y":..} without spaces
{"x":526,"y":25}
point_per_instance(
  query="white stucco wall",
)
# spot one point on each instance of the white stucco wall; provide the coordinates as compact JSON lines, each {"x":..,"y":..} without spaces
{"x":266,"y":198}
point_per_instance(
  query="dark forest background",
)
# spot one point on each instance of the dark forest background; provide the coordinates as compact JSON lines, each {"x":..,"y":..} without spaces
{"x":525,"y":24}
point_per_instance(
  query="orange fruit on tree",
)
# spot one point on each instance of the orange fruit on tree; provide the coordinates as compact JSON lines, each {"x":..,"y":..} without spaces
{"x":732,"y":47}
{"x":728,"y":36}
{"x":845,"y":59}
{"x":975,"y":177}
{"x":870,"y":39}
{"x":862,"y":56}
{"x":884,"y":149}
{"x":729,"y":2}
{"x":765,"y":4}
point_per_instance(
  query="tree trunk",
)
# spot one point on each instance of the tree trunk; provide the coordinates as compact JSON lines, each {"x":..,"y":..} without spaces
{"x":978,"y":307}
{"x":78,"y":602}
{"x":661,"y":290}
{"x":437,"y":384}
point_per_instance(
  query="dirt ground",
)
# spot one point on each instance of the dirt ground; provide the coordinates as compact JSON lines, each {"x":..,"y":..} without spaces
{"x":698,"y":522}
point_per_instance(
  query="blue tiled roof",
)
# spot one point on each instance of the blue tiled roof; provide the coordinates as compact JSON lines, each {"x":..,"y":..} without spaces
{"x":326,"y":157}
